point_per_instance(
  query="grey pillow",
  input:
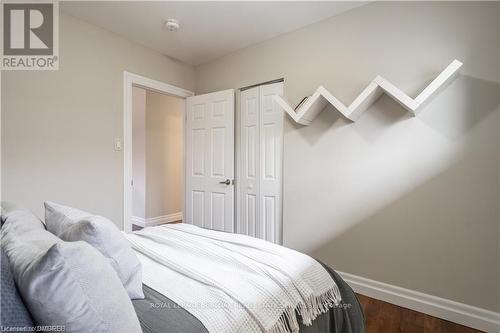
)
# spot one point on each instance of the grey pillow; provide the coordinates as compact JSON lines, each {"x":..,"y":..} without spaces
{"x":65,"y":283}
{"x":14,"y":211}
{"x":13,"y":312}
{"x":72,"y":224}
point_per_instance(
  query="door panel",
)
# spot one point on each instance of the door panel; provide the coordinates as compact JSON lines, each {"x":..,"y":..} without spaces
{"x":249,"y":163}
{"x":269,"y":220}
{"x":197,"y":207}
{"x":218,"y":211}
{"x":198,"y":152}
{"x":250,"y":215}
{"x":271,"y":160}
{"x":251,"y":151}
{"x":210,"y":160}
{"x":261,"y":153}
{"x":269,"y":152}
{"x":218,"y":149}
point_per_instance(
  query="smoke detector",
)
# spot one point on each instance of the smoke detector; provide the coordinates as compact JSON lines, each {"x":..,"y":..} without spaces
{"x":172,"y":25}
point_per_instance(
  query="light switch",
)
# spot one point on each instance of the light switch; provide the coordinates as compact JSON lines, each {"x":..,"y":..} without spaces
{"x":118,"y":144}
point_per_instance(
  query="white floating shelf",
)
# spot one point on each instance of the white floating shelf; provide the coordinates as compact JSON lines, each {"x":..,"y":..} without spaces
{"x":321,"y":97}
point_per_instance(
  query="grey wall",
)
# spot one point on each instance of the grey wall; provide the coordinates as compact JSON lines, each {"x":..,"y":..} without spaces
{"x":58,"y":144}
{"x":139,"y":152}
{"x":412,"y":202}
{"x":164,"y":156}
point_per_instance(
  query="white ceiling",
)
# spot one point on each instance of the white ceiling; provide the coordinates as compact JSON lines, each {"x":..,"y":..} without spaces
{"x":209,"y":30}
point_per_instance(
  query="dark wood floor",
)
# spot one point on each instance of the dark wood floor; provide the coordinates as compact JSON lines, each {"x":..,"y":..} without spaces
{"x":136,"y":227}
{"x":382,"y":317}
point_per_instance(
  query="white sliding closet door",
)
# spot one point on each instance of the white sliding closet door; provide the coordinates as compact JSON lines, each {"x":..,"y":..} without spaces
{"x":261,"y":156}
{"x":210,"y":160}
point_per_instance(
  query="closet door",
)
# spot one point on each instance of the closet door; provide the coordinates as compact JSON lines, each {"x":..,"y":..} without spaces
{"x":249,"y":162}
{"x":271,"y":161}
{"x":261,"y":155}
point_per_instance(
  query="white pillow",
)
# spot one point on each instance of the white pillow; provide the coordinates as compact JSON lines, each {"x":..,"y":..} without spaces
{"x":71,"y":224}
{"x":65,"y":283}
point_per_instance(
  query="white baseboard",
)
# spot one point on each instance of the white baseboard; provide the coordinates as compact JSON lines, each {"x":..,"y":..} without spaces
{"x":149,"y":222}
{"x":163,"y":219}
{"x":456,"y":312}
{"x":140,"y":221}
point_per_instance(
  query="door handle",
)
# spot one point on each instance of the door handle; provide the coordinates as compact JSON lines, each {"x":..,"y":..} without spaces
{"x":226,"y":182}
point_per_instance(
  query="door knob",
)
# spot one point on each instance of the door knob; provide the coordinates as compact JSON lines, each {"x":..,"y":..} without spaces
{"x":226,"y":182}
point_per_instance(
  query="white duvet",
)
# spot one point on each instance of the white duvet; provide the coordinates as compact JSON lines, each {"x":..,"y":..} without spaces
{"x":232,"y":282}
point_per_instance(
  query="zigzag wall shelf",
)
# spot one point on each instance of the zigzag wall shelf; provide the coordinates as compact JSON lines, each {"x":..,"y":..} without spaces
{"x":306,"y":113}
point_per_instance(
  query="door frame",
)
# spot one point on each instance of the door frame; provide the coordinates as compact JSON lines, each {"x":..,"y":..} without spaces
{"x":130,"y":80}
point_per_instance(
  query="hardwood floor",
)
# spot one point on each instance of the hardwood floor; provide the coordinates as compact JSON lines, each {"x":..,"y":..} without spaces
{"x":382,"y":317}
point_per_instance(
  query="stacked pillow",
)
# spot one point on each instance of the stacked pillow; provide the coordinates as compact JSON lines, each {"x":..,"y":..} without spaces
{"x":71,"y":224}
{"x":64,"y":283}
{"x":13,"y":312}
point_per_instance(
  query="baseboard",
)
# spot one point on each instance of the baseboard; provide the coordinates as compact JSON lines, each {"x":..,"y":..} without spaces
{"x":149,"y":222}
{"x":140,"y":221}
{"x":456,"y":312}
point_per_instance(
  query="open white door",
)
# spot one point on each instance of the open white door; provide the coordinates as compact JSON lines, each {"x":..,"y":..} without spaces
{"x":210,"y":160}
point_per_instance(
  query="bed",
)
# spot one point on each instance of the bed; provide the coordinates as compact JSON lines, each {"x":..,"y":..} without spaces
{"x":156,"y":311}
{"x":181,"y":263}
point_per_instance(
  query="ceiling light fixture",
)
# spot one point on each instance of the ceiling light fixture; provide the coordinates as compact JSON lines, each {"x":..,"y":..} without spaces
{"x":172,"y":25}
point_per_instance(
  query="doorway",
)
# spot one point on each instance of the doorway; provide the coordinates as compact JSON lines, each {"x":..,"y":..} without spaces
{"x":157,"y":158}
{"x":135,"y":189}
{"x":207,"y":155}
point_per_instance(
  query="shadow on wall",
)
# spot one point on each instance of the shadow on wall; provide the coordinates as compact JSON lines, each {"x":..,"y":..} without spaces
{"x":441,"y":223}
{"x":384,"y":114}
{"x":450,"y":220}
{"x":328,"y":119}
{"x":461,"y":106}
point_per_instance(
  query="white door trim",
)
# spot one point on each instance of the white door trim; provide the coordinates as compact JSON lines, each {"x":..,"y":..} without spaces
{"x":130,"y":80}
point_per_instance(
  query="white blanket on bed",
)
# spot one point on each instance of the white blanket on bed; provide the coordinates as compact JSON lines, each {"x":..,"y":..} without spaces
{"x":231,"y":282}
